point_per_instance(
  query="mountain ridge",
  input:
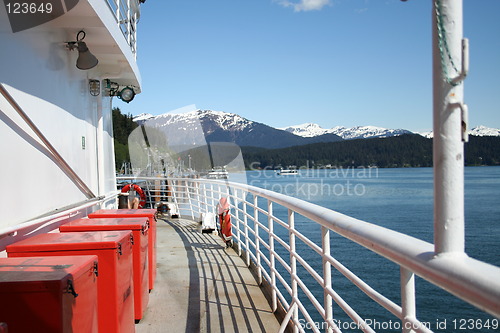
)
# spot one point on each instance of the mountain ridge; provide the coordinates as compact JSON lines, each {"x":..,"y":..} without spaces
{"x":219,"y":126}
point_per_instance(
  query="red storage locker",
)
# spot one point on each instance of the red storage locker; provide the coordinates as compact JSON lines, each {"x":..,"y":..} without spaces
{"x":115,"y":297}
{"x":48,"y":294}
{"x":139,"y":227}
{"x":151,"y":215}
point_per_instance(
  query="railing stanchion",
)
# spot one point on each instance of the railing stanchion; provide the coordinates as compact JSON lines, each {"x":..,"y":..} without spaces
{"x":327,"y":277}
{"x":274,"y":299}
{"x":237,"y":215}
{"x":293,"y":266}
{"x":257,"y":238}
{"x":407,"y":299}
{"x":247,"y":245}
{"x":129,"y":24}
{"x":190,"y":201}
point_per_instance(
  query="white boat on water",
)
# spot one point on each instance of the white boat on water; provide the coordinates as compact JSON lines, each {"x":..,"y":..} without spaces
{"x":58,"y":79}
{"x":286,"y":172}
{"x":218,"y":173}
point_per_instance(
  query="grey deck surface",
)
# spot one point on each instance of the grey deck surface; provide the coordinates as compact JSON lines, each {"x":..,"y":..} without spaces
{"x":202,"y":287}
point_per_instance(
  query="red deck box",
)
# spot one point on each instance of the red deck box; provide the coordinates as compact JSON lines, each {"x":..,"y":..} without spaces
{"x":151,"y":215}
{"x":48,"y":294}
{"x":115,"y":297}
{"x":139,"y":227}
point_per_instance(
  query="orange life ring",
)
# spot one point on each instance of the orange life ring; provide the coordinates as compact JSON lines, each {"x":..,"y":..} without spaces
{"x":139,"y":190}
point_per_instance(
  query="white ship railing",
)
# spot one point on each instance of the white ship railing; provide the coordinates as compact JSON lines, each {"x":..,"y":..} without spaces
{"x":127,"y":13}
{"x":254,"y":222}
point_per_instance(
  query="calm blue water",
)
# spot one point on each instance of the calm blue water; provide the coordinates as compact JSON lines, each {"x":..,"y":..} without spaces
{"x":402,"y":200}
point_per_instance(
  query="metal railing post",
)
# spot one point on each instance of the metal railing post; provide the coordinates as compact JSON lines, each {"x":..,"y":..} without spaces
{"x":214,"y":204}
{"x":247,"y":244}
{"x":118,"y":4}
{"x":293,"y":267}
{"x":190,"y":201}
{"x":448,"y":119}
{"x":257,"y":238}
{"x":407,"y":299}
{"x":237,"y":215}
{"x":129,"y":24}
{"x":327,"y":277}
{"x":272,"y":259}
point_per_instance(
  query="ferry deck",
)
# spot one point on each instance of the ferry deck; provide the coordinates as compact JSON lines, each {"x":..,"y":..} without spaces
{"x":201,"y":286}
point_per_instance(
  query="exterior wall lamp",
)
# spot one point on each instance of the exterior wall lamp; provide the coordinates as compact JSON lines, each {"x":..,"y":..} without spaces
{"x":94,"y":87}
{"x":86,"y":60}
{"x":126,"y":94}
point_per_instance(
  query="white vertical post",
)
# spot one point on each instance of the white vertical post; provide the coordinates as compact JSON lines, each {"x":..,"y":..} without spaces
{"x":118,"y":3}
{"x":293,"y":266}
{"x":272,"y":259}
{"x":408,"y":306}
{"x":189,"y":185}
{"x":135,"y":35}
{"x":448,"y":148}
{"x":247,"y":244}
{"x":327,"y":277}
{"x":101,"y":170}
{"x":237,"y":214}
{"x":129,"y":24}
{"x":257,"y":238}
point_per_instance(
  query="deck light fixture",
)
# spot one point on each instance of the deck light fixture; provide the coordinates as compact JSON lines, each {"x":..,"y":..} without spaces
{"x":94,"y":87}
{"x":86,"y":60}
{"x":127,"y":94}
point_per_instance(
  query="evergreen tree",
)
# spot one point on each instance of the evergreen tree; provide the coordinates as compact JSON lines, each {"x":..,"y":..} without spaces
{"x":123,"y":125}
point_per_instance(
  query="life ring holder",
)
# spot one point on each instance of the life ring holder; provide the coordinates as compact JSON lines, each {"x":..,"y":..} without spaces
{"x":137,"y":189}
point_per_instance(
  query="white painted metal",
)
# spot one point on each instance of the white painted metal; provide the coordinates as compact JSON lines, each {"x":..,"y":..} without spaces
{"x":257,"y":240}
{"x":55,"y":154}
{"x":39,"y":72}
{"x":407,"y":299}
{"x":293,"y":264}
{"x":272,"y":259}
{"x":327,"y":276}
{"x":464,"y":277}
{"x":448,"y":151}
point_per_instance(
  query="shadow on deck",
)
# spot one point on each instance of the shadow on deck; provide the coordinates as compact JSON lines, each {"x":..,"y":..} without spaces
{"x":202,"y":287}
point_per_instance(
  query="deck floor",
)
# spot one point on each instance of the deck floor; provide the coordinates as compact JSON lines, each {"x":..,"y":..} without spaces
{"x":202,"y":287}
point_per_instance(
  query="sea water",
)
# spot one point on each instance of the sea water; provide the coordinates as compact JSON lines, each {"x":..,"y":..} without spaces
{"x":401,"y":200}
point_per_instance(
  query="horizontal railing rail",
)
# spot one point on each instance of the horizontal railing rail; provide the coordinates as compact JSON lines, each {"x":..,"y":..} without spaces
{"x":279,"y":255}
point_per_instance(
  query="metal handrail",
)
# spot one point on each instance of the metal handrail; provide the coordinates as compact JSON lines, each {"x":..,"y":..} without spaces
{"x":471,"y":280}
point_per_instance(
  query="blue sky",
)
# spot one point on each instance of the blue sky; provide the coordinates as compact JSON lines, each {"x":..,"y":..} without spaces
{"x":330,"y":62}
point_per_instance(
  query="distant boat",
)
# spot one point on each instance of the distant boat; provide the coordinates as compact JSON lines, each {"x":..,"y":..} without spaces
{"x":286,"y":172}
{"x":218,"y":173}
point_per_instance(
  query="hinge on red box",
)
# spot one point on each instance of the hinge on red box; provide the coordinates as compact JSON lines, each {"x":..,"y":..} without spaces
{"x":96,"y":270}
{"x":132,"y":239}
{"x":71,"y":289}
{"x":119,"y":248}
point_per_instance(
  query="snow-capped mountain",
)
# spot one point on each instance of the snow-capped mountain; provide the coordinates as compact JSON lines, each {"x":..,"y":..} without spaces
{"x":202,"y":126}
{"x":484,"y":131}
{"x":198,"y":126}
{"x":307,"y":130}
{"x":358,"y":132}
{"x":476,"y":131}
{"x":142,"y":117}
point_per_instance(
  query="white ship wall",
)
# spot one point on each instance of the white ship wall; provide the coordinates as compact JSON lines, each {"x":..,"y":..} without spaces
{"x":40,"y":74}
